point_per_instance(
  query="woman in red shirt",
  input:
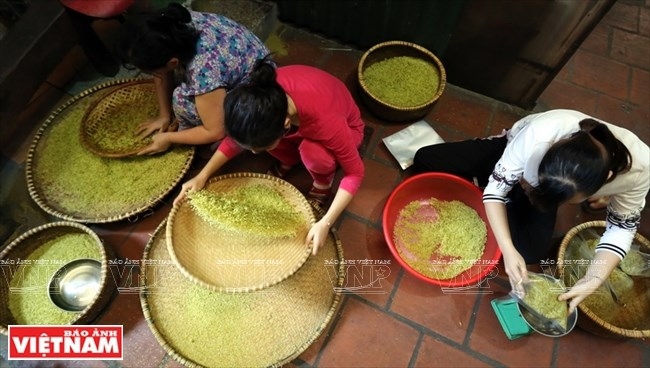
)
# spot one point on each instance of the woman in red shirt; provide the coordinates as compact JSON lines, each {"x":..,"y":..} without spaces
{"x":297,"y":114}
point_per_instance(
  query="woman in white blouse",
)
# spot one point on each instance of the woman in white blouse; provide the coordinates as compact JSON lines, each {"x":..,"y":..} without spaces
{"x":545,"y":160}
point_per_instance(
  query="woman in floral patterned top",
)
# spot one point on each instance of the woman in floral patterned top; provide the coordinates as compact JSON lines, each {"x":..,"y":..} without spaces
{"x":195,"y":59}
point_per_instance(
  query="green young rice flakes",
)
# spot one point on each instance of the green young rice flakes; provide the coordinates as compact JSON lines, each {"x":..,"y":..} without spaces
{"x":29,"y":301}
{"x":636,"y":263}
{"x":119,"y":138}
{"x":111,"y":127}
{"x":403,"y":81}
{"x":253,"y":329}
{"x":631,"y":308}
{"x":81,"y":183}
{"x":541,"y":296}
{"x":253,"y":209}
{"x":440,"y":239}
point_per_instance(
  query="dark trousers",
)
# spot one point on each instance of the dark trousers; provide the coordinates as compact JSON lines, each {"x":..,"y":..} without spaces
{"x":530,"y":228}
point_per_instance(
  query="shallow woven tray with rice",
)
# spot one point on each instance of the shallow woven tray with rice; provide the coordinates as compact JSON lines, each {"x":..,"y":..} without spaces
{"x":72,"y":183}
{"x":236,"y":261}
{"x":29,"y":262}
{"x":629,"y":315}
{"x":109,"y":125}
{"x":271,"y":327}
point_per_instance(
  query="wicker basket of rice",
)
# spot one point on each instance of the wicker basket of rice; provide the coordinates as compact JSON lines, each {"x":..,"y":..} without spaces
{"x":242,"y":232}
{"x":108,"y":127}
{"x":621,"y":307}
{"x":70,"y":182}
{"x":400,"y":81}
{"x":268,"y":328}
{"x":30,"y":261}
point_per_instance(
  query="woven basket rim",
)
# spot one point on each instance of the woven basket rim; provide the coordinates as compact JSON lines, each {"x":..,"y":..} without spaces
{"x":151,"y":321}
{"x":105,"y":253}
{"x":49,"y":208}
{"x":434,"y":58}
{"x":592,"y":316}
{"x":86,"y":139}
{"x":239,"y":175}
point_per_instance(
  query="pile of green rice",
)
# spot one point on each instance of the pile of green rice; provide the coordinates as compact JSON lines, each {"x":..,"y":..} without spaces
{"x":444,"y":247}
{"x":541,"y":296}
{"x":117,"y":132}
{"x":82,"y":184}
{"x":253,"y":209}
{"x":632,"y":307}
{"x":29,"y":301}
{"x":402,"y":81}
{"x":253,"y":329}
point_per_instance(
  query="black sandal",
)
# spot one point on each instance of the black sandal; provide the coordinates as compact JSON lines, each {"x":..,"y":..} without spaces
{"x":278,"y":171}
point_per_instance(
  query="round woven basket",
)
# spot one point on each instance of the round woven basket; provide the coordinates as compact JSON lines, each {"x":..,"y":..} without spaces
{"x":73,"y":184}
{"x":271,"y":327}
{"x":14,"y":256}
{"x":391,"y":49}
{"x":233,"y":262}
{"x":590,"y":321}
{"x":108,"y":126}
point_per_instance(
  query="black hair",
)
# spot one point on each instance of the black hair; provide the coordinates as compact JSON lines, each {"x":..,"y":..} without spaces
{"x":255,"y":112}
{"x":579,"y":164}
{"x":150,"y":39}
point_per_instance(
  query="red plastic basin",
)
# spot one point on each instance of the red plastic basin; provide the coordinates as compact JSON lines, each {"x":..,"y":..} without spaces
{"x":445,"y":187}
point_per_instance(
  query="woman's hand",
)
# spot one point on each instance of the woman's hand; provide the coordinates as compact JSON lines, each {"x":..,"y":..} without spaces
{"x":583,"y":288}
{"x":196,"y":183}
{"x":160,"y":143}
{"x":158,"y":124}
{"x":318,"y":235}
{"x":516,"y":269}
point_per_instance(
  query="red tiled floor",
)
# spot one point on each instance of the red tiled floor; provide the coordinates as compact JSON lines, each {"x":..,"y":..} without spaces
{"x":462,"y":111}
{"x":436,"y":353}
{"x":364,"y":336}
{"x":428,"y":305}
{"x":378,"y":183}
{"x":628,"y":353}
{"x":412,"y":323}
{"x":369,"y":244}
{"x":600,"y":74}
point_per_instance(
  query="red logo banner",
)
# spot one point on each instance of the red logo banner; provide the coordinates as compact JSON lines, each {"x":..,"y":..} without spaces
{"x":79,"y":342}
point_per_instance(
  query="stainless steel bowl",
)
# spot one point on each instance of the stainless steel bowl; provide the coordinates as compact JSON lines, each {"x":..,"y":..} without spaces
{"x":76,"y":284}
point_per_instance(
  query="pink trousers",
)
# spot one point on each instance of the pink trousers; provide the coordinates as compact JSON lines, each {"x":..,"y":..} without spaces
{"x":318,"y":160}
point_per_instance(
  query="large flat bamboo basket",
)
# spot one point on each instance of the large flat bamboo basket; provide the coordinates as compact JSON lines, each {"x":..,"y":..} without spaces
{"x":74,"y":184}
{"x":108,"y":127}
{"x":16,"y":264}
{"x":270,"y":327}
{"x":227,"y":261}
{"x":632,"y":319}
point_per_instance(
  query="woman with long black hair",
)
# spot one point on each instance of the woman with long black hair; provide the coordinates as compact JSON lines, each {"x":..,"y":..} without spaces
{"x":195,"y":58}
{"x":545,"y":160}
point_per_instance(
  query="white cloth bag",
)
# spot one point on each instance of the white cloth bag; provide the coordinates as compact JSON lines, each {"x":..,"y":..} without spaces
{"x":403,"y":144}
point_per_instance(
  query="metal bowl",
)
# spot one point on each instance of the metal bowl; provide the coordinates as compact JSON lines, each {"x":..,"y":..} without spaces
{"x":544,"y":328}
{"x":74,"y":286}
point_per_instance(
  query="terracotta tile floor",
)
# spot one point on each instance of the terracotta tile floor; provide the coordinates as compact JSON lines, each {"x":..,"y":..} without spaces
{"x":408,"y":322}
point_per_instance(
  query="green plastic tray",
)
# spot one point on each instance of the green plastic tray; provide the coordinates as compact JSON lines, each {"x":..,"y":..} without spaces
{"x":511,"y":321}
